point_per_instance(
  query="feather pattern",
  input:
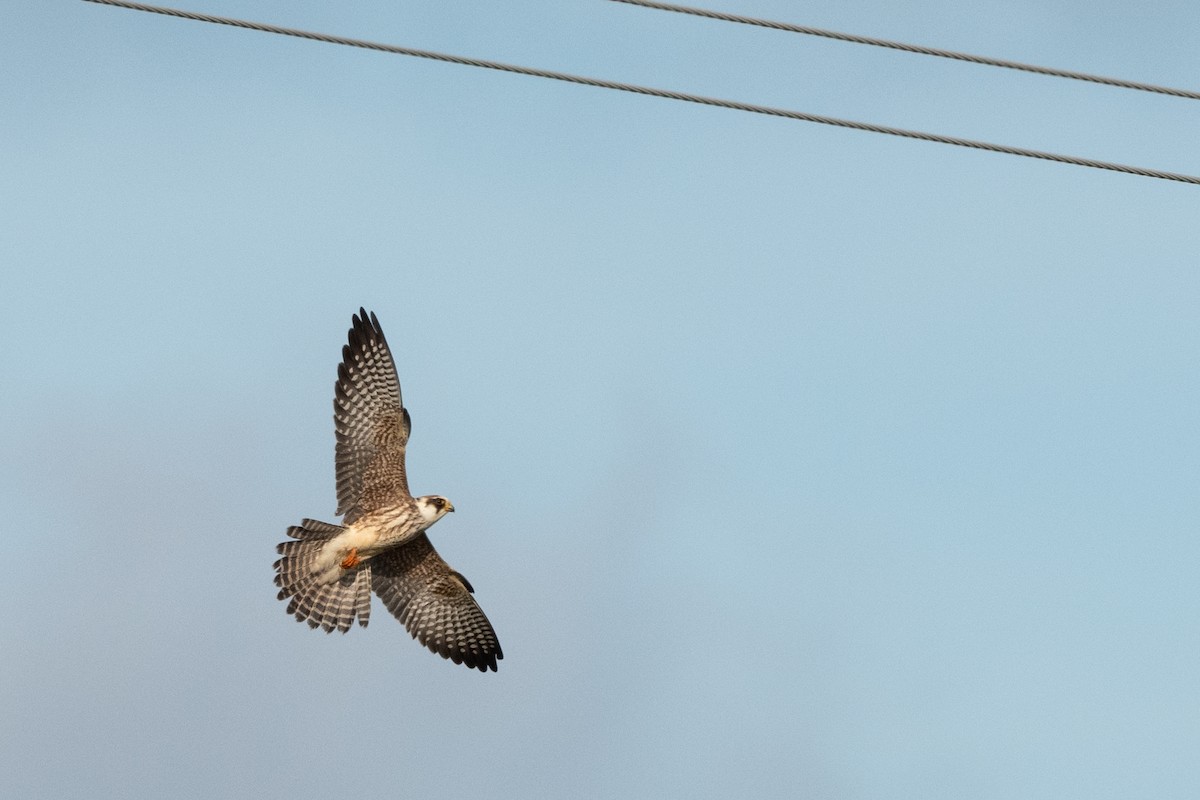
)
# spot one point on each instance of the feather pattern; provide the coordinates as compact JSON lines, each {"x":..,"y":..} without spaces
{"x":435,"y":604}
{"x":327,"y":572}
{"x":371,"y":423}
{"x":330,"y":606}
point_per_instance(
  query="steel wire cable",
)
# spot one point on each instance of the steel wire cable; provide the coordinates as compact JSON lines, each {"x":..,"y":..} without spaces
{"x":652,"y":92}
{"x":913,"y":48}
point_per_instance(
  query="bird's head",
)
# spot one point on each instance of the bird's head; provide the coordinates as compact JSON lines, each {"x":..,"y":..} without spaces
{"x":433,"y":507}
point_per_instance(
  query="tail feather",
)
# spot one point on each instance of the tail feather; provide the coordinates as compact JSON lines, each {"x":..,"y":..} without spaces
{"x":332,"y":606}
{"x":330,"y":602}
{"x":314,"y":529}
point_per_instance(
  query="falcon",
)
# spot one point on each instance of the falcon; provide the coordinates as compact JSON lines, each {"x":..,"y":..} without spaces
{"x":327,"y":572}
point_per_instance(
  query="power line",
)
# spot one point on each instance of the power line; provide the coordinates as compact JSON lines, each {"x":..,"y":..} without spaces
{"x":914,"y":48}
{"x":652,"y":92}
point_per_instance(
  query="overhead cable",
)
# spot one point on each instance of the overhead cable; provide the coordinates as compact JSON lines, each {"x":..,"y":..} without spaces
{"x":914,"y":48}
{"x":652,"y":92}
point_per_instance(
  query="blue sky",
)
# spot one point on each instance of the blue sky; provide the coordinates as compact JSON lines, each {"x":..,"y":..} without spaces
{"x":789,"y":461}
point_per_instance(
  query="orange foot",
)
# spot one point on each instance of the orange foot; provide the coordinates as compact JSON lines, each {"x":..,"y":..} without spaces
{"x":351,"y":560}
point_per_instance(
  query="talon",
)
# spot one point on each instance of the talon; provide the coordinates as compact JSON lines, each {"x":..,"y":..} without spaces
{"x":351,"y":560}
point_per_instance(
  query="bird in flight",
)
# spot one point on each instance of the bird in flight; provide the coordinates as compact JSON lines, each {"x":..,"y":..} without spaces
{"x":329,"y":571}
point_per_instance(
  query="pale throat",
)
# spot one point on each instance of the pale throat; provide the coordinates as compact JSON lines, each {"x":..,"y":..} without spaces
{"x":429,"y":512}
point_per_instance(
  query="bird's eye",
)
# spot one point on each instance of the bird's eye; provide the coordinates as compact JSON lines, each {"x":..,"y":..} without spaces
{"x":439,"y":502}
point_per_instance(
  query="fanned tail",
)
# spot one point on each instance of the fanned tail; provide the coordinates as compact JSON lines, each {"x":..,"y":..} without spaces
{"x":330,"y":601}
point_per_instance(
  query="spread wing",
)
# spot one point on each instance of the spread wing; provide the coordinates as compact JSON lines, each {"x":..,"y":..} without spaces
{"x":371,"y":422}
{"x":435,"y":604}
